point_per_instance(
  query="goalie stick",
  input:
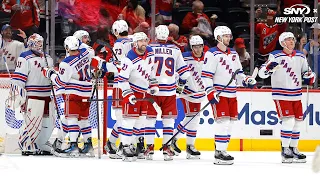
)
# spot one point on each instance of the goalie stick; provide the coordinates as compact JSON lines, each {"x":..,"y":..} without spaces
{"x":203,"y":108}
{"x":98,"y":119}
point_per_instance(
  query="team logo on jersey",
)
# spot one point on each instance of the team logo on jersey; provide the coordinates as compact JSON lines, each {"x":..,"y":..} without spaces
{"x":135,"y":109}
{"x":234,"y":57}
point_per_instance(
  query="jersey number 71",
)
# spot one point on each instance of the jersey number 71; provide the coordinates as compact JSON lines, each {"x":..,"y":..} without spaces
{"x":169,"y":63}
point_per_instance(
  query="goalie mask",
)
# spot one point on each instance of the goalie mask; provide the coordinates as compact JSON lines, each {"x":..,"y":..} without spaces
{"x":35,"y":43}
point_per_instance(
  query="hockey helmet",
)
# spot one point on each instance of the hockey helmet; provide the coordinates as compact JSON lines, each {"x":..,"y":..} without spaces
{"x":119,"y":26}
{"x":286,"y":35}
{"x":220,"y":31}
{"x":196,"y":40}
{"x":80,"y":33}
{"x":162,"y":32}
{"x":71,"y":43}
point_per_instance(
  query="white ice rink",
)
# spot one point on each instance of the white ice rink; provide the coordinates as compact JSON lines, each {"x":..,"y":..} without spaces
{"x":248,"y":165}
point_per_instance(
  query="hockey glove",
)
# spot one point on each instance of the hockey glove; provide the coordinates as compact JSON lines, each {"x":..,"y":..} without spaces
{"x":180,"y":86}
{"x":309,"y":78}
{"x":153,"y":87}
{"x":249,"y":82}
{"x":47,"y":72}
{"x":212,"y":97}
{"x":270,"y":68}
{"x":128,"y":97}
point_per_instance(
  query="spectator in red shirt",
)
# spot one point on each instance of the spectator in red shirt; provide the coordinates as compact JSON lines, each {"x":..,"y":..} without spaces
{"x":174,"y":37}
{"x":268,"y":35}
{"x":133,"y":13}
{"x":24,"y":16}
{"x":192,"y":18}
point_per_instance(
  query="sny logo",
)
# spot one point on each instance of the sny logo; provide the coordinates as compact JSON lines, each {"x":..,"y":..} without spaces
{"x":298,"y":9}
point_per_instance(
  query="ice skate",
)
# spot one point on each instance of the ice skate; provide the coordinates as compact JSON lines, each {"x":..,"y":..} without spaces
{"x":112,"y":149}
{"x":287,"y":156}
{"x":140,"y":148}
{"x":127,"y":154}
{"x":149,"y":152}
{"x":175,"y":147}
{"x":87,"y":150}
{"x":192,"y":152}
{"x":168,"y":153}
{"x":223,"y":158}
{"x":71,"y":152}
{"x":119,"y":152}
{"x":297,"y":156}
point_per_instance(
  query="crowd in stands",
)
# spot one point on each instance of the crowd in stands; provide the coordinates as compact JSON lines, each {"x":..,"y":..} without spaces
{"x":183,"y":17}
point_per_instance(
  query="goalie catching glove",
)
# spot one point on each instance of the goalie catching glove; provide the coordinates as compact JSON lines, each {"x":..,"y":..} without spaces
{"x":249,"y":82}
{"x":309,"y":78}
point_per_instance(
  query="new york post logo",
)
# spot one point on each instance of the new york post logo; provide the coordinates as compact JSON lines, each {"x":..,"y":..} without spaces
{"x":297,"y":9}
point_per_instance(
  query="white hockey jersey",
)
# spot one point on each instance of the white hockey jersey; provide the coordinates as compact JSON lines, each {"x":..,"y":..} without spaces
{"x":74,"y":74}
{"x":121,"y":48}
{"x":29,"y":76}
{"x":136,"y":71}
{"x":10,"y":52}
{"x":168,"y":60}
{"x":286,"y":80}
{"x":218,"y":69}
{"x":194,"y":82}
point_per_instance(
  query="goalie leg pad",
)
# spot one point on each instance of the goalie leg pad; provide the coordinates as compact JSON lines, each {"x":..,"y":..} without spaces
{"x":45,"y":134}
{"x":30,"y":130}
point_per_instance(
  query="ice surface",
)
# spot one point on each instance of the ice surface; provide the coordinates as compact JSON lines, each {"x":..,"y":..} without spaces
{"x":248,"y":165}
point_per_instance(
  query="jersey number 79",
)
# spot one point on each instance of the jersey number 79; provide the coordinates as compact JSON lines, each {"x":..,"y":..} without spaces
{"x":169,"y":63}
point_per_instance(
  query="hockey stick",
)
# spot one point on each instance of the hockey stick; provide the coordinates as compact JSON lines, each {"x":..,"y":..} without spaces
{"x":203,"y":108}
{"x":98,"y":119}
{"x":5,"y":62}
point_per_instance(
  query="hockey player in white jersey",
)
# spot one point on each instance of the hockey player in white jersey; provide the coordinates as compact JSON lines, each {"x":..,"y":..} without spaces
{"x":168,"y":61}
{"x":121,"y":48}
{"x":288,"y":69}
{"x":135,"y":79}
{"x":192,"y":96}
{"x":31,"y":91}
{"x":219,"y":65}
{"x":73,"y":80}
